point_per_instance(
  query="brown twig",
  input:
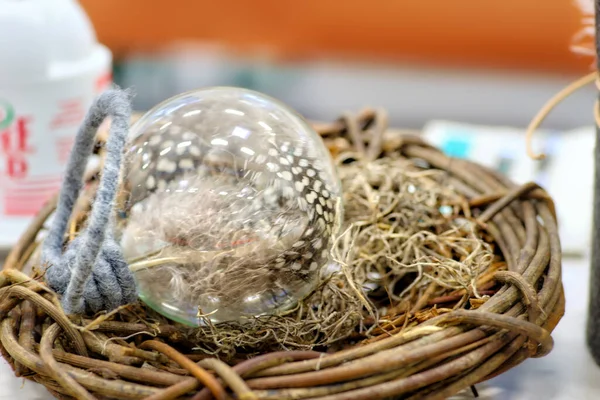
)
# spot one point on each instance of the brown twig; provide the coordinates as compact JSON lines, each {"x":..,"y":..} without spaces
{"x":199,"y":373}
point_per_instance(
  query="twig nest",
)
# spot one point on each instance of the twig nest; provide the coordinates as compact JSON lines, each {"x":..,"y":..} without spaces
{"x":228,"y":205}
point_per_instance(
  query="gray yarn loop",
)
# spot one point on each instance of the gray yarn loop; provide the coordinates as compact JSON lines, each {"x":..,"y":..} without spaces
{"x":92,"y":274}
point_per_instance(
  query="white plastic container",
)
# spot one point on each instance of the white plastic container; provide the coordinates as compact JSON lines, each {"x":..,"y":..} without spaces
{"x":51,"y":68}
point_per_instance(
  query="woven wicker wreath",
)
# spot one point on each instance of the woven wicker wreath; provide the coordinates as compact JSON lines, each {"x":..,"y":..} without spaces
{"x":440,"y":356}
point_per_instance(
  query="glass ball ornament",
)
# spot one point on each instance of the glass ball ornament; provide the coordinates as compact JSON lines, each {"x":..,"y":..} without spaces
{"x":228,"y":206}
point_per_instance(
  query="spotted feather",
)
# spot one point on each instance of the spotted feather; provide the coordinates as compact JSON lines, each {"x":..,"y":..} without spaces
{"x":163,"y":159}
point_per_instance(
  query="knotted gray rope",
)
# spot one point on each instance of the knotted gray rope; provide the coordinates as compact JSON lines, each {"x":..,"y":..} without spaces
{"x":92,"y":274}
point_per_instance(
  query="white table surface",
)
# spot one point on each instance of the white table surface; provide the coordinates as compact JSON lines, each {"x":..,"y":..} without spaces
{"x":568,"y":373}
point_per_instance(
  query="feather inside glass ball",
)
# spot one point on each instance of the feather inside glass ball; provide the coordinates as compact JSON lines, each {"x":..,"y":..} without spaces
{"x":228,"y":205}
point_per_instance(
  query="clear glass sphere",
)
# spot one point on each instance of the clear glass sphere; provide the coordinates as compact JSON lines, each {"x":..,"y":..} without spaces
{"x":228,"y":205}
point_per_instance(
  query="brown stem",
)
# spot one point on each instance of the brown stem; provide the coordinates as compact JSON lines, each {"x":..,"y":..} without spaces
{"x":56,"y":372}
{"x":200,"y":373}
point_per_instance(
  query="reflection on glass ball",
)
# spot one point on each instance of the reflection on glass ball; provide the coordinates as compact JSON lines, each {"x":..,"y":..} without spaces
{"x":228,"y":205}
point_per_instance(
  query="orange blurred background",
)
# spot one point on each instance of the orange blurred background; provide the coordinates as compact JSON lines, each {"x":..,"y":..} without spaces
{"x":483,"y":61}
{"x":514,"y":34}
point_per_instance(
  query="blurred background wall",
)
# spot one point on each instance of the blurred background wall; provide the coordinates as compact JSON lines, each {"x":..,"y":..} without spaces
{"x":476,"y":70}
{"x":492,"y":61}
